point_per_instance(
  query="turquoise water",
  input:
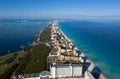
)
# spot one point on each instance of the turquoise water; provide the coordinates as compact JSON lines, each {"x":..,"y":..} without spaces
{"x":17,"y":32}
{"x":100,"y":41}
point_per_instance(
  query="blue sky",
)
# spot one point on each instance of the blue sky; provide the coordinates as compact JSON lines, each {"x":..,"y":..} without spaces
{"x":60,"y":9}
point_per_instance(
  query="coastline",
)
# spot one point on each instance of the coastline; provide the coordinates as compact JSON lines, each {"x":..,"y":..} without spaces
{"x":83,"y":55}
{"x":37,"y":41}
{"x":21,"y":56}
{"x":22,"y":34}
{"x":94,"y":39}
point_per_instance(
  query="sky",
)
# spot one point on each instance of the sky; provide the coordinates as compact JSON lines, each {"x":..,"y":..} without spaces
{"x":60,"y":9}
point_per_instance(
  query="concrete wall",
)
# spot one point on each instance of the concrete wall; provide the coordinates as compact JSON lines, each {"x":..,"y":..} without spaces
{"x":53,"y":72}
{"x":77,"y":71}
{"x":63,"y":71}
{"x":66,"y":70}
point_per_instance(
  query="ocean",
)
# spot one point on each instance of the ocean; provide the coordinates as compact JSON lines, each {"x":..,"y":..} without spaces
{"x":99,"y":41}
{"x":17,"y":32}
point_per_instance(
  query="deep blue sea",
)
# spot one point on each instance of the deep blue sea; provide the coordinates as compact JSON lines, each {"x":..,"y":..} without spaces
{"x":99,"y":41}
{"x":17,"y":32}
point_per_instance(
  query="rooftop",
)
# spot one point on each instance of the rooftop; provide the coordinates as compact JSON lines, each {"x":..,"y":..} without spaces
{"x":66,"y":65}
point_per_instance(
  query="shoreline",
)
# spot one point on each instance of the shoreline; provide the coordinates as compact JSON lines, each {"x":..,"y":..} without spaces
{"x":37,"y":41}
{"x":27,"y":51}
{"x":82,"y":54}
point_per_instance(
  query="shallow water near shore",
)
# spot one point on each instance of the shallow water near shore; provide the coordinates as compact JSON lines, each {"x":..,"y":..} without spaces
{"x":17,"y":32}
{"x":99,"y":41}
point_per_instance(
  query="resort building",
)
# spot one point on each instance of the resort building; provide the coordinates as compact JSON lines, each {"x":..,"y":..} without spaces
{"x":66,"y":70}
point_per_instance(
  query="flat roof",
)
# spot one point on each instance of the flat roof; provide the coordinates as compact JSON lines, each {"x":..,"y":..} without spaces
{"x":66,"y":65}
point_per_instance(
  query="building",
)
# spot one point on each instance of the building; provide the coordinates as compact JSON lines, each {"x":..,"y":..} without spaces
{"x":65,"y":70}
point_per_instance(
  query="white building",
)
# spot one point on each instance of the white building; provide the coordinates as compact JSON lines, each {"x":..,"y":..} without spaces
{"x":65,"y":70}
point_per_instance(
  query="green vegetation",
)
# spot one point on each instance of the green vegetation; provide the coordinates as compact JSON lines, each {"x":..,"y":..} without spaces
{"x":8,"y":64}
{"x":36,"y":57}
{"x":35,"y":60}
{"x":45,"y":35}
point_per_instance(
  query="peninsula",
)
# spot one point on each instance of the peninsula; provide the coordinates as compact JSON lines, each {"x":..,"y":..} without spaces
{"x":53,"y":56}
